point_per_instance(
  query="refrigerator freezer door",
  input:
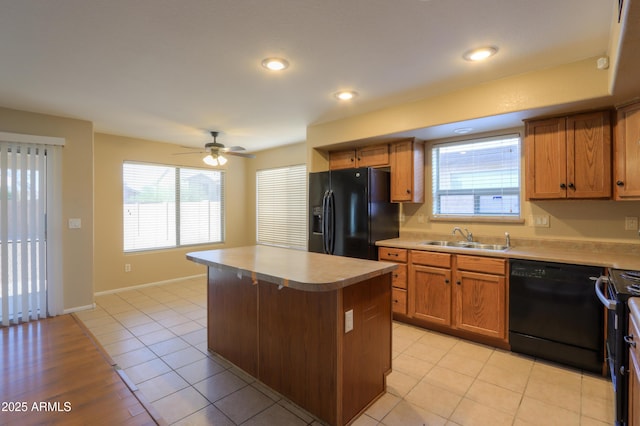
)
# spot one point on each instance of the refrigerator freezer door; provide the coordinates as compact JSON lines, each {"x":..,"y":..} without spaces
{"x":318,"y":187}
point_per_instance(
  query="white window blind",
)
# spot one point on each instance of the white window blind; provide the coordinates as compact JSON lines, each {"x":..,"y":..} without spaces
{"x":282,"y":206}
{"x":479,"y":177}
{"x":30,"y":231}
{"x":168,"y":206}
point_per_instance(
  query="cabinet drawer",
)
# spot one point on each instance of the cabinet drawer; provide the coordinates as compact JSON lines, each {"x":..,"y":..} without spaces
{"x":393,"y":254}
{"x":399,"y":277}
{"x":490,"y":265}
{"x":428,"y":258}
{"x":399,"y":301}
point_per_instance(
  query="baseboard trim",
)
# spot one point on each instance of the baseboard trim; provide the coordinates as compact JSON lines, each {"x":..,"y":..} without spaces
{"x":152,"y":284}
{"x":79,"y":308}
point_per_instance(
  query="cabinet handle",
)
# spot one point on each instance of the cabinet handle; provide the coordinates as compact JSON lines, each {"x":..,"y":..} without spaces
{"x":408,"y":191}
{"x":563,"y":186}
{"x":395,"y":301}
{"x":446,"y":281}
{"x":629,"y":341}
{"x":572,"y":186}
{"x":359,"y":159}
{"x":392,"y":254}
{"x":620,"y":183}
{"x":458,"y":282}
{"x":395,"y":275}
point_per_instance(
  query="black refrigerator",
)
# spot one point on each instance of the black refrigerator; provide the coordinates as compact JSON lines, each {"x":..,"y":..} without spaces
{"x":349,"y":210}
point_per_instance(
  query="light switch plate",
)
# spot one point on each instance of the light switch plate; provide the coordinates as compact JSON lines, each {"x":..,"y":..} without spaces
{"x":75,"y":223}
{"x":348,"y":321}
{"x":630,"y":223}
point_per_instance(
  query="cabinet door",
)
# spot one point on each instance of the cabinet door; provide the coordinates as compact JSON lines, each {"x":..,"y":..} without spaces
{"x":480,"y":304}
{"x":627,"y":153}
{"x":342,"y":159}
{"x":430,"y":294}
{"x":589,"y":155}
{"x":546,"y":159}
{"x":407,"y":172}
{"x":373,"y":156}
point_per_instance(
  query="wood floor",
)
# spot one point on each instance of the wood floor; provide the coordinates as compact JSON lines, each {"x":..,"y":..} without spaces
{"x":53,"y":372}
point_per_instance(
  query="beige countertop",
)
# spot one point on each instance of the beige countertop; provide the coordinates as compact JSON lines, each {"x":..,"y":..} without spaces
{"x":293,"y":268}
{"x":610,"y":255}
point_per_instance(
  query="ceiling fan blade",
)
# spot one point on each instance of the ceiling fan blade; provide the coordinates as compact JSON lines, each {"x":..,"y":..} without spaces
{"x":232,"y":148}
{"x":240,"y":154}
{"x":189,"y":153}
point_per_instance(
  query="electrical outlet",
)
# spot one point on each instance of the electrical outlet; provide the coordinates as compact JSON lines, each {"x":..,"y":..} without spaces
{"x":127,"y":267}
{"x":348,"y":321}
{"x":421,"y":218}
{"x":630,"y":223}
{"x":540,"y":221}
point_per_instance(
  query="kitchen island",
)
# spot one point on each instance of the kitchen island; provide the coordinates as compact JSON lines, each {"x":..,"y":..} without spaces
{"x":313,"y":327}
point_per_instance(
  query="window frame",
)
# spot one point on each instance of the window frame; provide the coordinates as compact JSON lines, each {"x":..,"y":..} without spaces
{"x":177,"y":178}
{"x":436,"y":192}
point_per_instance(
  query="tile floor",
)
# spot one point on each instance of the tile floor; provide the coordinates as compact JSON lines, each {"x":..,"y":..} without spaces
{"x":158,"y":336}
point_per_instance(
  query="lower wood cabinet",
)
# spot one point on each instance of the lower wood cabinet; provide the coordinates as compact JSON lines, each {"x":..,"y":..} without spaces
{"x":398,"y":277}
{"x":458,"y":294}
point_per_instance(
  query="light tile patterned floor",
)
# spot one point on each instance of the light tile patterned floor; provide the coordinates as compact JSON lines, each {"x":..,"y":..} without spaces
{"x":158,"y":336}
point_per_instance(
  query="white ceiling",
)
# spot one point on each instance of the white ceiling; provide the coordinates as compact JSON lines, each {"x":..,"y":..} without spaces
{"x":171,"y":70}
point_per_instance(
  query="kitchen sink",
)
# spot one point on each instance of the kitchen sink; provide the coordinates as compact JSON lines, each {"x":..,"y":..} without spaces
{"x":466,"y":244}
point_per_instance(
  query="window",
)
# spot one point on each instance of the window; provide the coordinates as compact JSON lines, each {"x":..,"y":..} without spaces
{"x":479,"y":177}
{"x":168,"y":206}
{"x":282,"y":207}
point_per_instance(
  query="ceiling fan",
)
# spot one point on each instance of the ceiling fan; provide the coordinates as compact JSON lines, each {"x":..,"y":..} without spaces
{"x":216,"y":149}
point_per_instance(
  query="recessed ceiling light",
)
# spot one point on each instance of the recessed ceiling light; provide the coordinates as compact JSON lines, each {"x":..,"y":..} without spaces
{"x":275,"y":64}
{"x":346,"y":95}
{"x":463,"y":130}
{"x":480,"y":54}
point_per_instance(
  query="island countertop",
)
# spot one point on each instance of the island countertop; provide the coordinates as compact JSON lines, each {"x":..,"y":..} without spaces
{"x":296,"y":269}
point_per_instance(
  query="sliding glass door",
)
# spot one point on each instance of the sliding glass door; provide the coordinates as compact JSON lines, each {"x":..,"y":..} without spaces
{"x":29,"y":181}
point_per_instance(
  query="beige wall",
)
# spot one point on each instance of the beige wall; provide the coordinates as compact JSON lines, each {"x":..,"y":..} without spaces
{"x":158,"y":265}
{"x":288,"y":155}
{"x":77,"y":193}
{"x":572,"y":84}
{"x":601,"y":220}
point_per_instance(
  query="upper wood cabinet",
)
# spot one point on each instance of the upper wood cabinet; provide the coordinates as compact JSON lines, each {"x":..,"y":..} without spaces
{"x":368,"y":156}
{"x":569,"y":157}
{"x":407,"y":171}
{"x":627,"y":153}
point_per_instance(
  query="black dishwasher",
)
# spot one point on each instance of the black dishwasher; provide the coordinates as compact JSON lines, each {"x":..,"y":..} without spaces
{"x":554,"y":313}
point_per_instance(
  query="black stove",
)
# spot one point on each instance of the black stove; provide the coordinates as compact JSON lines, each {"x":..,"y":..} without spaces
{"x":620,"y":286}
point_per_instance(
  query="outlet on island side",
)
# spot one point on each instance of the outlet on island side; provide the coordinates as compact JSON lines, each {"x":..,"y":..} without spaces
{"x":348,"y":321}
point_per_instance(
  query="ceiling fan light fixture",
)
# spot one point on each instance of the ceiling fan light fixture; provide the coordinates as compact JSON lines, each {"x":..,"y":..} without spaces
{"x":222,"y":160}
{"x":346,"y":95}
{"x":480,"y":54}
{"x":210,"y":160}
{"x":275,"y":64}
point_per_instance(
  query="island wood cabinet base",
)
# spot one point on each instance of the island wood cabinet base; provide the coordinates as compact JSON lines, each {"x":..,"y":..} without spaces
{"x":295,"y":342}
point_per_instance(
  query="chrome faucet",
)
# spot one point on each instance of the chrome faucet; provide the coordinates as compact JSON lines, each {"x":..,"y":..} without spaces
{"x":468,"y":236}
{"x":508,"y":239}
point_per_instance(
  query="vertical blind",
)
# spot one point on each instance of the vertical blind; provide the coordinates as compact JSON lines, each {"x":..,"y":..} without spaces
{"x":478,"y":177}
{"x":169,"y":206}
{"x":30,"y":231}
{"x":282,"y":206}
